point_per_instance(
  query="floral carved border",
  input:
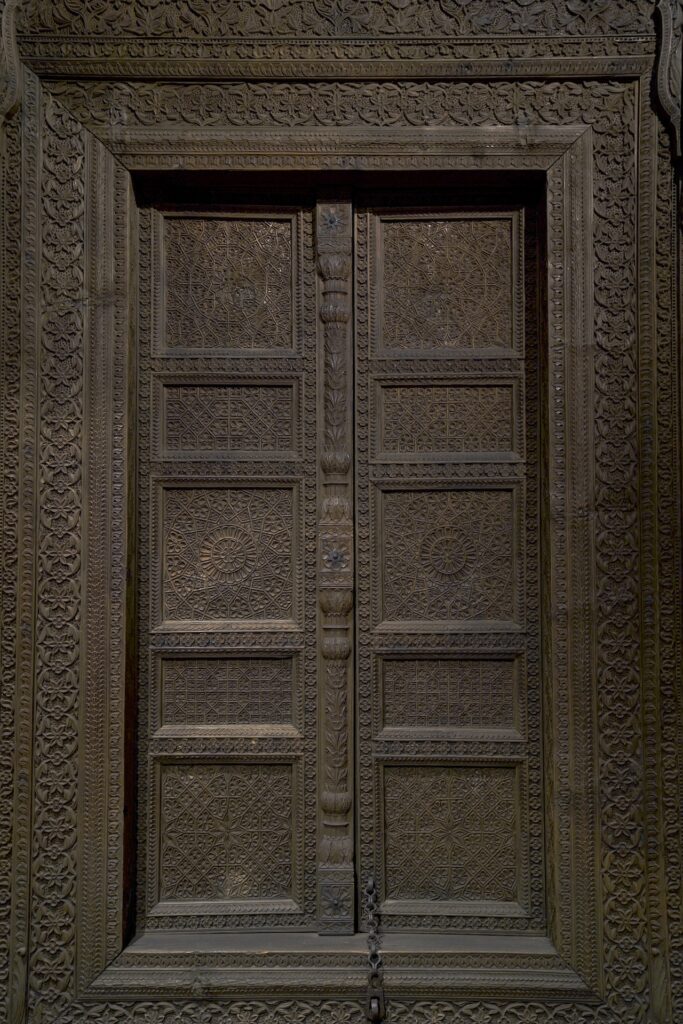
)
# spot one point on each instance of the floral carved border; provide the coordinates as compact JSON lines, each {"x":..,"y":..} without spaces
{"x":58,"y":590}
{"x":325,"y":18}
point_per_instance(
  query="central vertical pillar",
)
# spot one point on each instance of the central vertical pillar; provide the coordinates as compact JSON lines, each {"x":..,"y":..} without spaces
{"x":336,"y":891}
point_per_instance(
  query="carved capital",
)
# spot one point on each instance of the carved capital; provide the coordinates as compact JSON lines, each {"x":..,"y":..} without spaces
{"x":335,"y":269}
{"x":668,"y":79}
{"x":10,"y":64}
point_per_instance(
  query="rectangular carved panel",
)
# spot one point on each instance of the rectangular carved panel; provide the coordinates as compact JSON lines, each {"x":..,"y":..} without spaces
{"x":228,"y":283}
{"x":447,"y":283}
{"x":454,"y":693}
{"x":206,"y":419}
{"x":446,"y":418}
{"x":227,"y":553}
{"x":226,"y":832}
{"x":226,"y":691}
{"x":451,"y":833}
{"x":447,"y":555}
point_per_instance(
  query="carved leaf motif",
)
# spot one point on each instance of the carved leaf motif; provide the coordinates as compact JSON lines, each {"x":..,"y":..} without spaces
{"x":58,"y":638}
{"x":330,"y":18}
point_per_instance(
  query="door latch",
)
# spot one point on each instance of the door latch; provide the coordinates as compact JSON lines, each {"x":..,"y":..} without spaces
{"x":375,"y":1007}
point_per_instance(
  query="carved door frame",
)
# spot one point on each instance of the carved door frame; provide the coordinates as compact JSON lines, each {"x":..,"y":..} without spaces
{"x":71,"y":146}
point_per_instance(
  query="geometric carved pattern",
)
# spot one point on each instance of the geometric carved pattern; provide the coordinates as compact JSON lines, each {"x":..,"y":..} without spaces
{"x":226,"y":832}
{"x":450,"y":833}
{"x":227,"y":553}
{"x":226,"y":691}
{"x":448,"y":555}
{"x":446,"y":419}
{"x":447,"y":284}
{"x":228,"y":419}
{"x":458,"y":693}
{"x":228,"y":283}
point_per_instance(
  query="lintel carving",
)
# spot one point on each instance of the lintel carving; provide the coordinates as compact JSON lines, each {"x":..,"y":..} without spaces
{"x":337,"y":18}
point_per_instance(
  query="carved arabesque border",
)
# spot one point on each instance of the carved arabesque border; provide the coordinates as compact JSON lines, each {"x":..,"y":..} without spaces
{"x":324,"y":19}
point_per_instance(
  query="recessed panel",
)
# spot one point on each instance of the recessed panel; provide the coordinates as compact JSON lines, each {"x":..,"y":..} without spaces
{"x":226,"y":832}
{"x":447,"y":555}
{"x":451,"y":693}
{"x":226,"y":691}
{"x":446,"y":419}
{"x":228,"y":419}
{"x":227,"y":553}
{"x":451,"y":833}
{"x":447,"y":283}
{"x":228,"y":283}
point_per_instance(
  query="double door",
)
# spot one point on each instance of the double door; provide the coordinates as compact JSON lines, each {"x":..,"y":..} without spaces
{"x":338,"y":580}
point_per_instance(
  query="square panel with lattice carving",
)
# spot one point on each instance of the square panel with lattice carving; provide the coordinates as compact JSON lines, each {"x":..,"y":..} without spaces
{"x":447,"y":283}
{"x":226,"y":832}
{"x":228,"y":283}
{"x":451,"y":833}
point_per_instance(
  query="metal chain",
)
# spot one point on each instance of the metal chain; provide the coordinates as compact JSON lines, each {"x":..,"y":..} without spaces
{"x":376,"y":1006}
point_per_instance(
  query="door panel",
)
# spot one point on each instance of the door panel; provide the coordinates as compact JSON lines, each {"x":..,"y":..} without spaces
{"x":449,"y":777}
{"x":227,"y":427}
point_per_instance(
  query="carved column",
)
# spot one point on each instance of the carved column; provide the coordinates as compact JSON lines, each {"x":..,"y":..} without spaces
{"x":336,"y":896}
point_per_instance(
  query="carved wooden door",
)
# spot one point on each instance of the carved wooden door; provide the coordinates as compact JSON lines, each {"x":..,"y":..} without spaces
{"x":448,"y":644}
{"x":339,"y":581}
{"x":228,"y":648}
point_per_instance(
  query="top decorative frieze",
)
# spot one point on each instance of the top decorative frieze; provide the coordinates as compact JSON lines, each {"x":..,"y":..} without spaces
{"x":331,"y":19}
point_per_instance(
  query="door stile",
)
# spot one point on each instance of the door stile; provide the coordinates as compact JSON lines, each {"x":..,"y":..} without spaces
{"x":336,"y":893}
